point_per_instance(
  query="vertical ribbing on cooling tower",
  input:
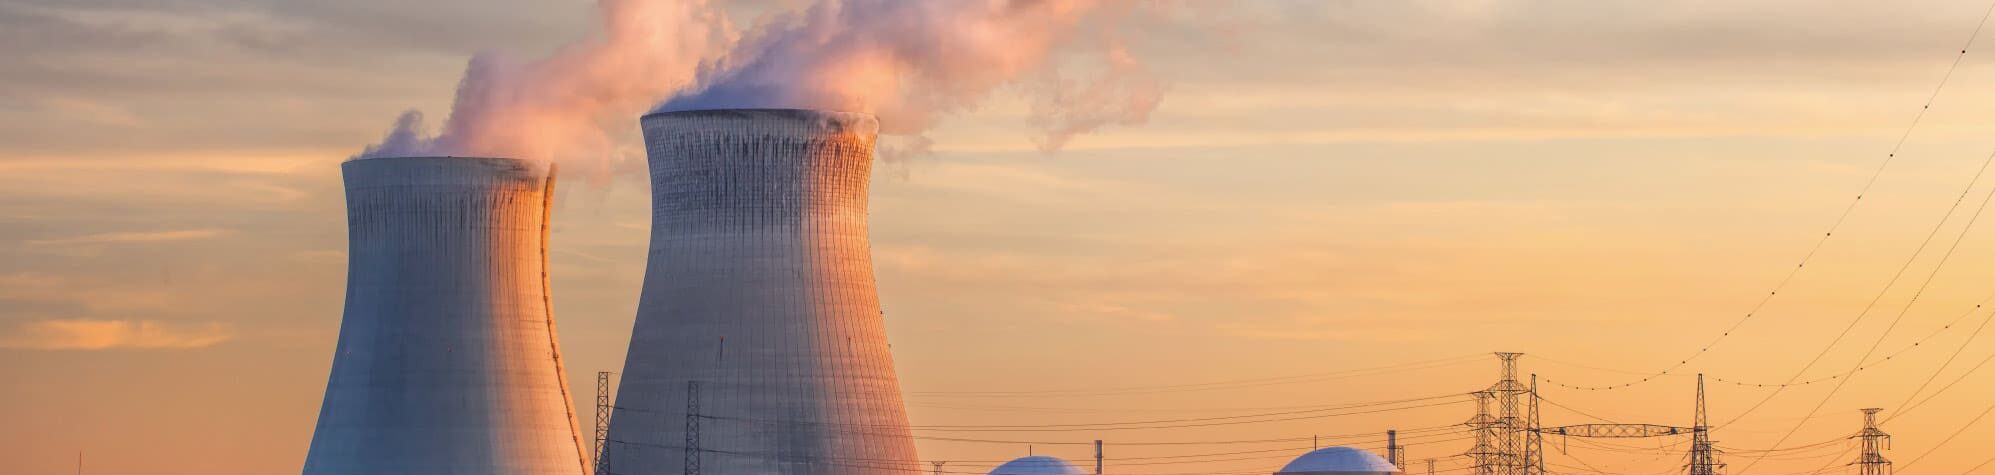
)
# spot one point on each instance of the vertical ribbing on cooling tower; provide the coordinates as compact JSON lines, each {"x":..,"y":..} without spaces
{"x":447,"y":362}
{"x":760,"y":286}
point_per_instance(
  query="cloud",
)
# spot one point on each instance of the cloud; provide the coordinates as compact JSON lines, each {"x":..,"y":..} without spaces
{"x":110,"y":334}
{"x":568,"y":106}
{"x":915,"y":63}
{"x":135,"y":237}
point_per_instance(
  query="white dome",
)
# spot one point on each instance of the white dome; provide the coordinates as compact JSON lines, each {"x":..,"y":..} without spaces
{"x":1037,"y":465}
{"x":1338,"y":460}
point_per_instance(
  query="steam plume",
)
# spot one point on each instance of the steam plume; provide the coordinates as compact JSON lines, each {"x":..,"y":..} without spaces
{"x":562,"y":107}
{"x":913,"y":62}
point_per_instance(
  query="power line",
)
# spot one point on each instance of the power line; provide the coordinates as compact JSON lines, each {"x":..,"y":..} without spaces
{"x":1108,"y":427}
{"x":908,"y":464}
{"x":1195,"y":419}
{"x":1217,"y":385}
{"x":1872,"y":364}
{"x":1903,"y":405}
{"x":1944,"y":257}
{"x":1949,"y":438}
{"x":1840,"y":218}
{"x":1371,"y":407}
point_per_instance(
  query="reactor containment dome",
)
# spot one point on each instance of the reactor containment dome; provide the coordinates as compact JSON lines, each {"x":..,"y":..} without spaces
{"x":1037,"y":465}
{"x":447,"y":361}
{"x":759,"y":345}
{"x":1339,"y":461}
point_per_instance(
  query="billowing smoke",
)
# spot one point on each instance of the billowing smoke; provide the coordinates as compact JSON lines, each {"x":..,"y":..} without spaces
{"x":565,"y":106}
{"x":913,"y":62}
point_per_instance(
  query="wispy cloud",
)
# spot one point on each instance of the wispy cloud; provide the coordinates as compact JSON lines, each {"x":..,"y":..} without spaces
{"x":135,"y":237}
{"x":110,"y":334}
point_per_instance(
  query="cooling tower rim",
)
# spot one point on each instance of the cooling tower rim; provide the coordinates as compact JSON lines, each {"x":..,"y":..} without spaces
{"x":399,"y":169}
{"x":752,"y":112}
{"x":867,"y":123}
{"x":428,"y":157}
{"x":816,"y":121}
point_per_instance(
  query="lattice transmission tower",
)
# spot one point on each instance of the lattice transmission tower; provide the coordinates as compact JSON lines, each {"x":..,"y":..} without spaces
{"x":692,"y":428}
{"x":1703,"y":452}
{"x":1534,"y":437}
{"x":1872,"y":461}
{"x":1509,"y":419}
{"x":602,"y":450}
{"x":1484,"y":454}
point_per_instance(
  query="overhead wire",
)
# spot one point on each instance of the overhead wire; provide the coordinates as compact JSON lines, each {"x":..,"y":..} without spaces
{"x":1904,"y":405}
{"x":1216,"y":385}
{"x":1949,"y":438}
{"x":1889,"y":357}
{"x":1916,"y":344}
{"x":903,"y":464}
{"x":1944,"y":257}
{"x":1841,"y":218}
{"x":1462,"y":396}
{"x":1071,"y":428}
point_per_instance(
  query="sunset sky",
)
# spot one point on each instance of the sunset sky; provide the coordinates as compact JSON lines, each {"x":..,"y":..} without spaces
{"x":1328,"y":188}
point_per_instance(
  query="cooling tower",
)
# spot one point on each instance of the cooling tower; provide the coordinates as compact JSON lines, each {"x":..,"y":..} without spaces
{"x":447,"y":361}
{"x":759,"y":317}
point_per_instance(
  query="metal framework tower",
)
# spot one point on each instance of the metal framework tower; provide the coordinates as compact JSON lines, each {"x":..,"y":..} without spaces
{"x":1702,"y":459}
{"x":1484,"y":455}
{"x":693,"y":427}
{"x":1534,"y":438}
{"x":1872,"y":461}
{"x":1703,"y":452}
{"x":1509,"y":421}
{"x":1430,"y":466}
{"x":602,"y":451}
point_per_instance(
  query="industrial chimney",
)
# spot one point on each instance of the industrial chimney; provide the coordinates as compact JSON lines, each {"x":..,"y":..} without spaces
{"x":759,"y":345}
{"x":447,"y":360}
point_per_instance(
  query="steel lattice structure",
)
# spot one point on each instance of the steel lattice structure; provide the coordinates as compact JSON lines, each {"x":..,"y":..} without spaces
{"x":1484,"y":454}
{"x":1703,"y":452}
{"x":1872,"y":461}
{"x":1616,"y":431}
{"x":603,"y":406}
{"x":1534,"y":440}
{"x":1509,"y":421}
{"x":1530,"y":459}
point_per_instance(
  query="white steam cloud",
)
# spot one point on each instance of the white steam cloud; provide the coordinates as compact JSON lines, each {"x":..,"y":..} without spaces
{"x":910,"y":62}
{"x":914,"y":62}
{"x":565,"y":106}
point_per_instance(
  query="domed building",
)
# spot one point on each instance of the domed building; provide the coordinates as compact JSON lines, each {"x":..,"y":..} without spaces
{"x":1339,"y":461}
{"x":1037,"y":465}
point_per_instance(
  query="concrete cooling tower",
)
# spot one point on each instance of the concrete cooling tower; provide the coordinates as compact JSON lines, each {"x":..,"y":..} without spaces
{"x":447,"y":361}
{"x":759,"y":346}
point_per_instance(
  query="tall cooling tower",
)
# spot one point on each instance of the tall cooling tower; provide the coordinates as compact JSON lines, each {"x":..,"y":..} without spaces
{"x":447,"y":361}
{"x":759,"y":346}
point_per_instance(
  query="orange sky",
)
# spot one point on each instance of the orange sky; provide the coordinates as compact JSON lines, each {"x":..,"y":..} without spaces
{"x":1327,"y":187}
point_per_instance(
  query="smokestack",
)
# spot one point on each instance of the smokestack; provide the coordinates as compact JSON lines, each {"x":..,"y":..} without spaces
{"x":760,"y":286}
{"x":1394,"y":454}
{"x":447,"y":359}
